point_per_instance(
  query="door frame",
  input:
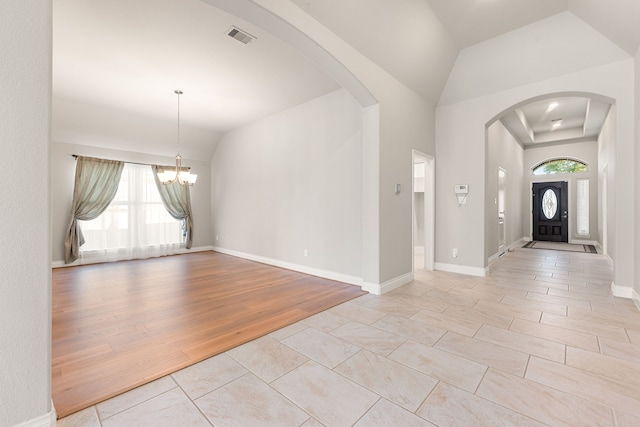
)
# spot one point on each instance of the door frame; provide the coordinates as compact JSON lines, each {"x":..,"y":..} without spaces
{"x":429,"y":209}
{"x":532,"y":207}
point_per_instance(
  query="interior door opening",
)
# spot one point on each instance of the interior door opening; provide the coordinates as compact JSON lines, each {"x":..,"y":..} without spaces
{"x":423,"y":222}
{"x":502,"y":227}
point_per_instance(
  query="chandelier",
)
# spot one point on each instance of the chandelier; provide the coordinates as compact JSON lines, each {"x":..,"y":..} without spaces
{"x":180,"y":175}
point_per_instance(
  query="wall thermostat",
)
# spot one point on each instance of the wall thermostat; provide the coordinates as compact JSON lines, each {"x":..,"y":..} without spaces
{"x":461,"y":189}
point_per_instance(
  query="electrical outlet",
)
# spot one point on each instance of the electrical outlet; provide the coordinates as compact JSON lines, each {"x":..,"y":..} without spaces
{"x":455,"y":253}
{"x":306,"y":253}
{"x":217,"y":238}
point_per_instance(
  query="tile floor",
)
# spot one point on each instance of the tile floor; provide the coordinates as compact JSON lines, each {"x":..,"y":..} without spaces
{"x":540,"y":341}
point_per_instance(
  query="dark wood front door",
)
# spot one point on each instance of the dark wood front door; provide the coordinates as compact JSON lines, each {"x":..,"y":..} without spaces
{"x":550,"y":212}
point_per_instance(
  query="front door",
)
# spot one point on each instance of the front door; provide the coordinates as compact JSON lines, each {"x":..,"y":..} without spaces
{"x":550,"y":204}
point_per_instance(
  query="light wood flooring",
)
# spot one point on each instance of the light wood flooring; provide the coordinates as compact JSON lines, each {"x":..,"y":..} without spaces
{"x":119,"y":325}
{"x":538,"y":342}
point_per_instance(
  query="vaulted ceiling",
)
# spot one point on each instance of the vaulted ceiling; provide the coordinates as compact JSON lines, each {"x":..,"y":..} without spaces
{"x":129,"y":56}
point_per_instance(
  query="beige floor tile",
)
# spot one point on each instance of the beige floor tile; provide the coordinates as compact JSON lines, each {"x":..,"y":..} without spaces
{"x":562,"y":301}
{"x":393,"y":381}
{"x":492,"y":289}
{"x":423,"y":302}
{"x":634,"y":335}
{"x":450,"y":406}
{"x":201,"y":378}
{"x":542,"y":403}
{"x":536,"y":305}
{"x":594,"y":291}
{"x":85,"y":418}
{"x":527,"y":287}
{"x":415,"y":288}
{"x":522,"y":342}
{"x":287,"y":331}
{"x":480,"y":294}
{"x":626,"y":420}
{"x":386,"y":414}
{"x":486,"y":353}
{"x":452,"y":299}
{"x":312,"y":422}
{"x":556,"y":334}
{"x":394,"y":307}
{"x":480,"y":314}
{"x":267,"y":358}
{"x":358,"y":313}
{"x":604,"y":365}
{"x":511,"y":310}
{"x":586,"y":326}
{"x":558,"y":283}
{"x":410,"y":329}
{"x":620,"y":320}
{"x":134,"y":397}
{"x":373,"y":339}
{"x":327,"y":396}
{"x":619,"y":349}
{"x":455,"y":370}
{"x":620,"y":395}
{"x":443,"y":321}
{"x":248,"y":401}
{"x":615,"y":308}
{"x":580,"y":296}
{"x":169,"y":409}
{"x":326,"y":321}
{"x":321,"y":347}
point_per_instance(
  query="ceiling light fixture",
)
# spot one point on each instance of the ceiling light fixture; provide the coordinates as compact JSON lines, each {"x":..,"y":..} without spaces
{"x":556,"y":123}
{"x":180,"y":175}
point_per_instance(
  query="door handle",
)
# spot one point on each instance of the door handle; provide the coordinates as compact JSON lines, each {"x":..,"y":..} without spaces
{"x":564,"y":215}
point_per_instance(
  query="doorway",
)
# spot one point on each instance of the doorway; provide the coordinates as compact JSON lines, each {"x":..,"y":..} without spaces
{"x":502,"y":227}
{"x":550,"y":211}
{"x":423,"y":209}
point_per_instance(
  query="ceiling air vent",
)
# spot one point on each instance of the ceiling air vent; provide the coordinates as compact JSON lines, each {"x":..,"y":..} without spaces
{"x":240,"y":35}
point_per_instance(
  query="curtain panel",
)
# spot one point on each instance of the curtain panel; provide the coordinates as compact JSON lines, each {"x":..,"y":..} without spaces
{"x":177,"y":199}
{"x":96,"y":184}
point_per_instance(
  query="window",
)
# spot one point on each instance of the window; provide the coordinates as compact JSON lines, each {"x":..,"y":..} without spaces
{"x":549,"y":204}
{"x":136,"y":224}
{"x":554,"y":166}
{"x":582,"y":207}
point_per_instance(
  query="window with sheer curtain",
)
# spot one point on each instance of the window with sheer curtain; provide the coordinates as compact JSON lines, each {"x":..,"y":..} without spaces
{"x":136,"y":223}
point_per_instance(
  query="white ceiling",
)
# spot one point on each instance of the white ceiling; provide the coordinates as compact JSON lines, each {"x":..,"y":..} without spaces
{"x":129,"y":56}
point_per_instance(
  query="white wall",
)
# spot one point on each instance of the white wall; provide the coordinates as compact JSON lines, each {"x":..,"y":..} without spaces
{"x":503,"y":151}
{"x":25,"y":222}
{"x":63,"y":167}
{"x":292,"y":182}
{"x":399,"y":122}
{"x":460,"y":143}
{"x":586,"y":151}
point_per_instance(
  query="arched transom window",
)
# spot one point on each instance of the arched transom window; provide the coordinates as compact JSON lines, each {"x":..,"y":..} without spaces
{"x":562,"y":165}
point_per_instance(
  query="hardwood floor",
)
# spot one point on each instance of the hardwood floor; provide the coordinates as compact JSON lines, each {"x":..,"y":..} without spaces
{"x":119,"y":325}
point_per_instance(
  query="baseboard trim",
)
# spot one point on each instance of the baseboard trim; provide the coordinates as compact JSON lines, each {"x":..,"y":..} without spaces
{"x":44,"y":420}
{"x":462,"y":269}
{"x":331,"y":275}
{"x":388,"y":286}
{"x":622,"y":291}
{"x":635,"y":296}
{"x":59,"y":264}
{"x":517,"y":244}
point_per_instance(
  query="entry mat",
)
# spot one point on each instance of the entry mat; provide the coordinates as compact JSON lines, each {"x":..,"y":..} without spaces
{"x":561,"y":246}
